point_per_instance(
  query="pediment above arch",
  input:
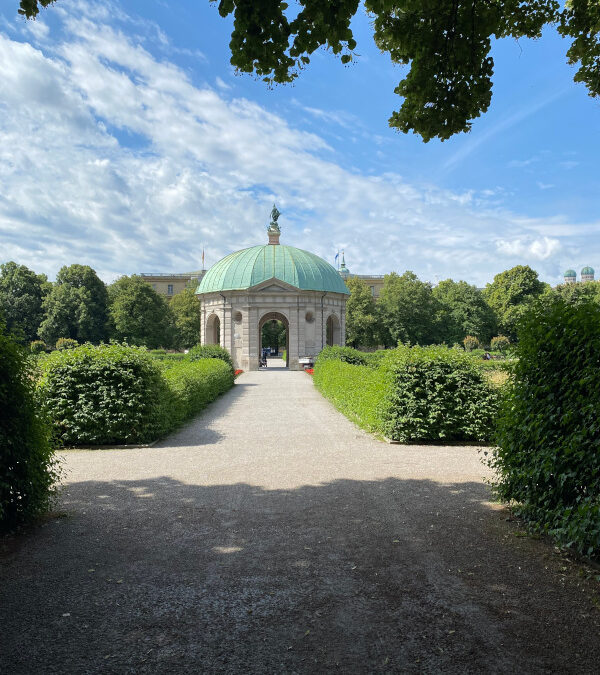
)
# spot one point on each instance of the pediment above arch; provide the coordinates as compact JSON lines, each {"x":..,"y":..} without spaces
{"x":273,"y":286}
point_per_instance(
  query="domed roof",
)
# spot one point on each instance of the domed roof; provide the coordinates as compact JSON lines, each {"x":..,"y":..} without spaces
{"x":570,"y":273}
{"x":587,"y":270}
{"x":251,"y":266}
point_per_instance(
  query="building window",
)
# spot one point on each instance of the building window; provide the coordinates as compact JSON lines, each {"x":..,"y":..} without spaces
{"x":170,"y":289}
{"x":372,"y":290}
{"x":153,"y":287}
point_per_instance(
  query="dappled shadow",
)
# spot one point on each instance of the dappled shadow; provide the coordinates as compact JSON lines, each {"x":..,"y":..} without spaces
{"x":351,"y":576}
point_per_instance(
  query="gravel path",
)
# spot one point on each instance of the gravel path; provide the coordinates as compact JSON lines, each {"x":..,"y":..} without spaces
{"x":272,"y":536}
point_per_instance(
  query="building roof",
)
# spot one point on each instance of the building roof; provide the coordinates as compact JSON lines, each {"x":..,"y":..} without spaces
{"x":251,"y":266}
{"x":587,"y":270}
{"x":570,"y":273}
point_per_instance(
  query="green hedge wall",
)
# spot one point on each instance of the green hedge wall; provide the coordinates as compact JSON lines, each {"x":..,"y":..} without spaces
{"x":548,"y":454}
{"x":194,"y":385}
{"x":356,"y":391}
{"x":28,"y":469}
{"x":119,"y":394}
{"x":412,"y":394}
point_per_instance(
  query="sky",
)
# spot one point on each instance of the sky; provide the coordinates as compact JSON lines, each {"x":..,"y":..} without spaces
{"x":128,"y":143}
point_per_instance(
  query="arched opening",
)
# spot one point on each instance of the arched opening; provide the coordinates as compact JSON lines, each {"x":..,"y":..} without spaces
{"x":333,"y":334}
{"x":274,"y":335}
{"x":213,"y":330}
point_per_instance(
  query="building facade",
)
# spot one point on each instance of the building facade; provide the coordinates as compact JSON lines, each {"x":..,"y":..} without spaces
{"x":171,"y":284}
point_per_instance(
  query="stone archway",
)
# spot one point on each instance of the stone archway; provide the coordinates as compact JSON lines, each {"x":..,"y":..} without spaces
{"x":333,"y":331}
{"x":213,"y":330}
{"x":276,"y":316}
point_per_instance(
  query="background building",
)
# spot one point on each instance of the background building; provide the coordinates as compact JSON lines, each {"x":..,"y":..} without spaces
{"x":170,"y":284}
{"x":587,"y":274}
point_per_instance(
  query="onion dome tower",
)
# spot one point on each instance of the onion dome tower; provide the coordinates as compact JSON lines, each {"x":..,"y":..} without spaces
{"x":570,"y":277}
{"x":344,"y":271}
{"x":587,"y":274}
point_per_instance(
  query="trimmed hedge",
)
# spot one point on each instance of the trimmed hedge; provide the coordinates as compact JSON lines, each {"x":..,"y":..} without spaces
{"x":210,"y":352}
{"x":194,"y":385}
{"x":28,"y":470}
{"x":437,"y":393}
{"x":356,"y":391}
{"x":120,"y":394}
{"x":414,"y":394}
{"x":548,"y":454}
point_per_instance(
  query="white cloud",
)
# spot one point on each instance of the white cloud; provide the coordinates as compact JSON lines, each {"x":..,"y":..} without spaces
{"x":113,"y":158}
{"x":529,"y":249}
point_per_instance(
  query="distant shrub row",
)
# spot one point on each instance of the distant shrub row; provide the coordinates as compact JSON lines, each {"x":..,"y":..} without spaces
{"x":410,"y":394}
{"x":120,"y":394}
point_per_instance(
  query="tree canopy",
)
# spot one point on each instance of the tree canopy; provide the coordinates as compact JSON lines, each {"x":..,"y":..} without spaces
{"x":139,"y":315}
{"x":76,"y":307}
{"x":21,"y":294}
{"x":463,"y":311}
{"x":446,"y":45}
{"x":408,"y":310}
{"x":185,"y":308}
{"x":362,"y":319}
{"x":511,"y":294}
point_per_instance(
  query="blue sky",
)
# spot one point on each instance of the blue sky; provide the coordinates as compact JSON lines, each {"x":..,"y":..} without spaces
{"x":128,"y":143}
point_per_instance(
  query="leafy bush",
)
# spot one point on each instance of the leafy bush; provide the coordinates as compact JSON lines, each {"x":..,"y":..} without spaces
{"x":500,"y":343}
{"x":356,"y":391}
{"x":470,"y":342}
{"x":28,"y":470}
{"x":106,"y":394}
{"x":548,"y":454}
{"x":120,"y":394}
{"x":437,"y":393}
{"x":210,"y":352}
{"x":38,"y":347}
{"x":346,"y":354}
{"x":193,"y":386}
{"x":66,"y":343}
{"x":415,"y":394}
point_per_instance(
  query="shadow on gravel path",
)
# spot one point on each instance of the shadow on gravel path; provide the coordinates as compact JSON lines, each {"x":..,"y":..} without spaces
{"x":350,"y":576}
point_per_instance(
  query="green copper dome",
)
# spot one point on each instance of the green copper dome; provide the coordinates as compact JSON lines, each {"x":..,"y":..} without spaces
{"x":570,"y":273}
{"x":587,"y":270}
{"x":251,"y":266}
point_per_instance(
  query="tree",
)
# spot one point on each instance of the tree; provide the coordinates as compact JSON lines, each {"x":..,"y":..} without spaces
{"x":362,"y":320}
{"x":22,"y":292}
{"x":463,"y":311}
{"x":94,"y":315}
{"x":273,"y":335}
{"x":139,"y":315}
{"x":408,"y":310}
{"x":577,"y":294}
{"x":185,"y":307}
{"x":510,"y":295}
{"x":76,"y":307}
{"x":445,"y":43}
